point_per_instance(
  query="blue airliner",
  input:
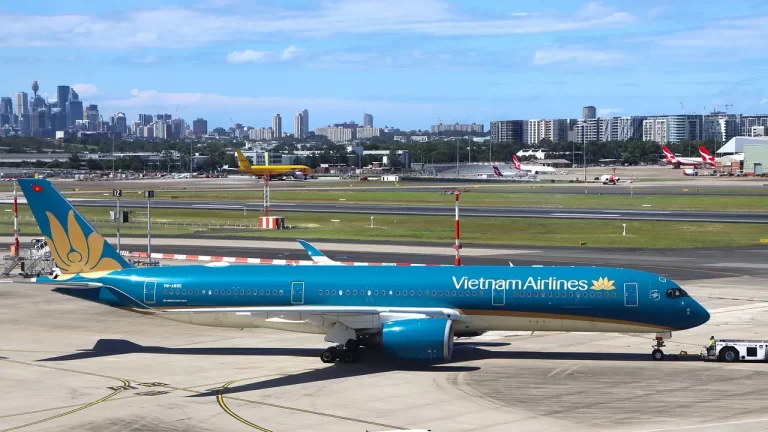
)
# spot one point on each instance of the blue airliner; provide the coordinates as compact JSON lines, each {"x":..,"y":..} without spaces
{"x":410,"y":313}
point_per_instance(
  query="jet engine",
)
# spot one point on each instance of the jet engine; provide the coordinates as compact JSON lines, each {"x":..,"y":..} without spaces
{"x":418,"y":339}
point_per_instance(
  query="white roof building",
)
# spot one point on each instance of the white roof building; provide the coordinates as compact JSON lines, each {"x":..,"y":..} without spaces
{"x":736,"y":144}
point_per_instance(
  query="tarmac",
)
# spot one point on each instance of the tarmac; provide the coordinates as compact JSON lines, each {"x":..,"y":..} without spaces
{"x":67,"y":364}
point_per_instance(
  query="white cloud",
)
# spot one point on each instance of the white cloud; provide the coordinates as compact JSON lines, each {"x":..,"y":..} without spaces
{"x":721,"y":34}
{"x":146,"y":60}
{"x":151,"y":99}
{"x":179,"y":27}
{"x":763,"y":101}
{"x":252,"y":56}
{"x":85,"y":90}
{"x":249,"y":56}
{"x":605,"y":112}
{"x":559,"y":54}
{"x":291,"y":52}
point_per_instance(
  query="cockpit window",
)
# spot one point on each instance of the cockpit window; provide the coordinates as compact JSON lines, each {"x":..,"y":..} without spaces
{"x":676,"y":293}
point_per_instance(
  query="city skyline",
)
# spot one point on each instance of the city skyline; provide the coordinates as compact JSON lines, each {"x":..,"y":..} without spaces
{"x":409,"y":63}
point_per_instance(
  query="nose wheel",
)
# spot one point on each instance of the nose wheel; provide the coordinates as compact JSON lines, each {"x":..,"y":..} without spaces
{"x":657,"y":353}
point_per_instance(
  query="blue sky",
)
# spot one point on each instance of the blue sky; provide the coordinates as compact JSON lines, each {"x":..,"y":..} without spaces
{"x":410,"y":63}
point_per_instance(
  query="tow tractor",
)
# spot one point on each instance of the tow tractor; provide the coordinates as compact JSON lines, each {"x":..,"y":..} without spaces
{"x":734,"y":350}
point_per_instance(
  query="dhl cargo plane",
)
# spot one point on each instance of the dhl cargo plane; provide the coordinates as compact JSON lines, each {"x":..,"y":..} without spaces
{"x":411,"y":313}
{"x":273,"y":171}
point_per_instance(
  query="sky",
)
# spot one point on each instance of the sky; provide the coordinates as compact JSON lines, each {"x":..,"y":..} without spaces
{"x":410,"y":63}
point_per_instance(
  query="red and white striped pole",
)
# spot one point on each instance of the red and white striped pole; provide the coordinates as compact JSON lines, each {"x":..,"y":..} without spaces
{"x":15,"y":221}
{"x":457,"y":246}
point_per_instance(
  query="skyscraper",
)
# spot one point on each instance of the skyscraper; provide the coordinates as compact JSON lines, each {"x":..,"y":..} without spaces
{"x":121,"y":124}
{"x":589,"y":112}
{"x":277,"y":126}
{"x":367,"y":120}
{"x":74,"y":111}
{"x":200,"y":127}
{"x":22,"y":103}
{"x":298,"y":126}
{"x":62,"y":96}
{"x":6,"y":105}
{"x":304,"y":122}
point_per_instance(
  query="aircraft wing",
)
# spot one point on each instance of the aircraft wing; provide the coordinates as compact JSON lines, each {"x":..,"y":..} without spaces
{"x":356,"y":317}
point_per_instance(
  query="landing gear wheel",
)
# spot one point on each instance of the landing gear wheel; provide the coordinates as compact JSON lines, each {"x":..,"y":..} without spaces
{"x":658,"y":354}
{"x":328,"y":356}
{"x":349,"y":356}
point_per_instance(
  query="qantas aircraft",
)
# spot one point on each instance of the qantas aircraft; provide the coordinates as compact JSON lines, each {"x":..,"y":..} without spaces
{"x":706,"y":156}
{"x":533,"y":169}
{"x":676,"y":161}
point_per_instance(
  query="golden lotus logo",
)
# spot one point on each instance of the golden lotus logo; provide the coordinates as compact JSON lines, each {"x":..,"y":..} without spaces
{"x":603,"y":284}
{"x":73,"y":253}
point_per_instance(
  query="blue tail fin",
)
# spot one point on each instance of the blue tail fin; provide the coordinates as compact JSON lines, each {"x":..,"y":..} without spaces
{"x":75,"y":245}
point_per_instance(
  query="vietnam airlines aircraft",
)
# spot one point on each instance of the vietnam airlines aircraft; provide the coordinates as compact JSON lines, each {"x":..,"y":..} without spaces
{"x":273,"y":171}
{"x":407,"y":312}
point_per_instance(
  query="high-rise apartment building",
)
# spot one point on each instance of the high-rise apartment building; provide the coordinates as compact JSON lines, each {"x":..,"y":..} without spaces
{"x":626,"y":128}
{"x":305,"y":122}
{"x":687,"y":127}
{"x":200,"y":127}
{"x":589,"y":113}
{"x":537,"y":130}
{"x":507,"y":131}
{"x":457,"y":127}
{"x":655,"y":129}
{"x":338,"y":134}
{"x":367,"y":120}
{"x":298,"y":126}
{"x":277,"y":126}
{"x":146,"y":119}
{"x":367,"y":132}
{"x":720,"y":127}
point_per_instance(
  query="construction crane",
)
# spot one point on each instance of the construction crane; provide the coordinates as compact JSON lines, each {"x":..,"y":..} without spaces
{"x":726,"y":107}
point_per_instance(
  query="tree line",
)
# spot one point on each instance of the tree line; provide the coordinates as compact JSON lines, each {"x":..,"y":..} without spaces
{"x":440,"y":151}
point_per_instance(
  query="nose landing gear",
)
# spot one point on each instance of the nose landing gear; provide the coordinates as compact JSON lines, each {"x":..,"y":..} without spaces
{"x":657,"y":353}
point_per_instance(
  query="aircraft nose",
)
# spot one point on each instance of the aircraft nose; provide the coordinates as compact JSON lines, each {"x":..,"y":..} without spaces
{"x":699,"y":314}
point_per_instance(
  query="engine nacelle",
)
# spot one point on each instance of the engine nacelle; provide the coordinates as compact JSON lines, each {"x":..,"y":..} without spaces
{"x":418,"y":338}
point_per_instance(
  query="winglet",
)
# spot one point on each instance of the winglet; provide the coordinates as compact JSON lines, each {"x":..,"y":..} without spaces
{"x":315,"y":253}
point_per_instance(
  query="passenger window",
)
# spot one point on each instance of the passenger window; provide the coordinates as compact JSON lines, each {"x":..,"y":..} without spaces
{"x":327,"y":292}
{"x":412,"y":293}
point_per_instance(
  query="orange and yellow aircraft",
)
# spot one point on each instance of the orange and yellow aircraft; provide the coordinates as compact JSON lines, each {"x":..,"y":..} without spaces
{"x":273,"y":171}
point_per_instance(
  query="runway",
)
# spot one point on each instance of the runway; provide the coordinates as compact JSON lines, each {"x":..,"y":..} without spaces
{"x":448,"y":210}
{"x":677,"y":265}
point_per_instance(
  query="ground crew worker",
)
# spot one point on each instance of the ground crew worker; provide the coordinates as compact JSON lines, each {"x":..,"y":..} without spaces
{"x":712,"y":343}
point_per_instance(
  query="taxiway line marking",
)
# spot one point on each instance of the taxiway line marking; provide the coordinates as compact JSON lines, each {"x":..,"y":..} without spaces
{"x":707,"y":425}
{"x":78,"y":409}
{"x":126,"y":382}
{"x":553,"y":372}
{"x":223,"y":405}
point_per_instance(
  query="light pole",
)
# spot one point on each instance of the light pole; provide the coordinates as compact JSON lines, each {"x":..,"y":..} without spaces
{"x":15,"y":221}
{"x":117,"y":193}
{"x":149,"y":194}
{"x":457,"y":246}
{"x":585,"y":168}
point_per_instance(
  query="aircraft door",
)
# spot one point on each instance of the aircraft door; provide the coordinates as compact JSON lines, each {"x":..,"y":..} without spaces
{"x":630,"y":294}
{"x":297,"y":292}
{"x":149,"y":291}
{"x":498,"y":295}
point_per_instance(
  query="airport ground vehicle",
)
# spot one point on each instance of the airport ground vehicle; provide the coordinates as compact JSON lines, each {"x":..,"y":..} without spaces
{"x":734,"y":350}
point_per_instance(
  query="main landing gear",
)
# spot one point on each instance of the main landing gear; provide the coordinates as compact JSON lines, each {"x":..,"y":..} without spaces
{"x":657,"y":353}
{"x":347,"y":353}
